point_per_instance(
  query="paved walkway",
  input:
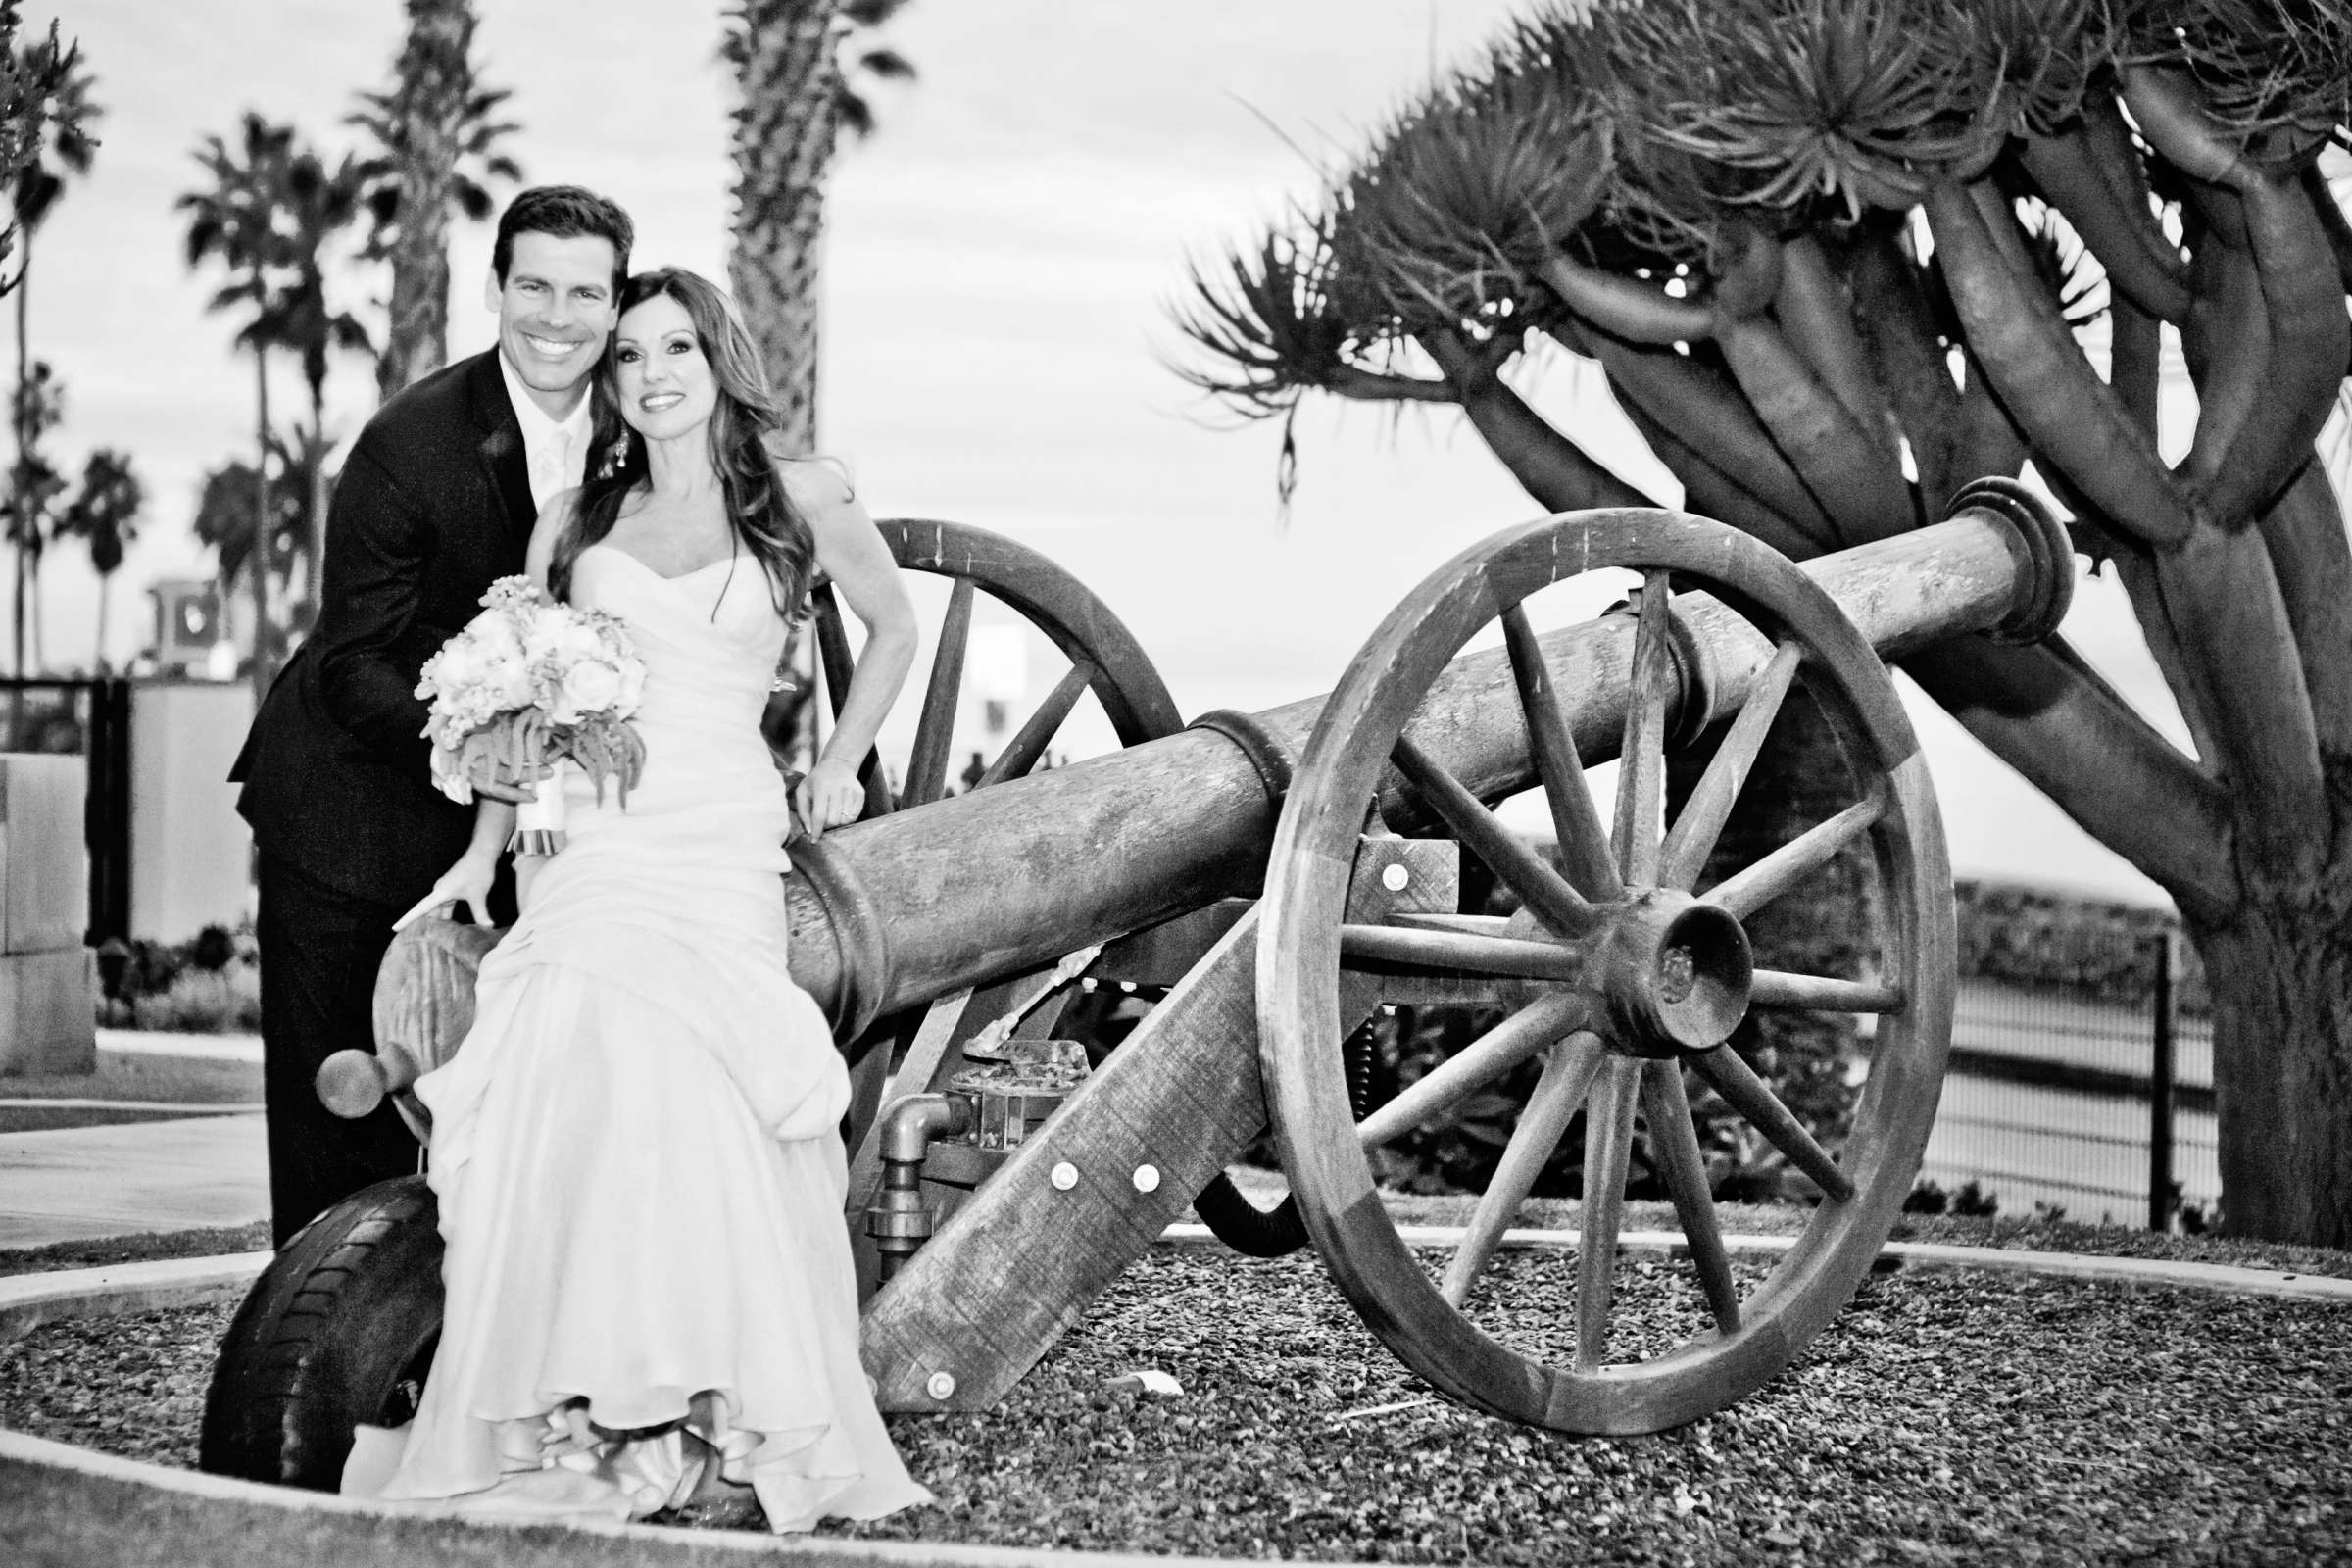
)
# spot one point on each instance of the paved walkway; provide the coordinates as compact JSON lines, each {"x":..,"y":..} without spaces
{"x":171,"y":1174}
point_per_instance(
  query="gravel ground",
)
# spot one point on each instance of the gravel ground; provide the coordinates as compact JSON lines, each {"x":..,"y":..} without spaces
{"x":1944,"y":1417}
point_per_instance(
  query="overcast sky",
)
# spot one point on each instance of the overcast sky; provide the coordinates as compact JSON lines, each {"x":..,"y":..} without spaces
{"x":999,"y":268}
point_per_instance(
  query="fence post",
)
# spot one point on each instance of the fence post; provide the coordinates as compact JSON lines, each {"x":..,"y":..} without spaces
{"x":2160,"y":1092}
{"x":107,"y":826}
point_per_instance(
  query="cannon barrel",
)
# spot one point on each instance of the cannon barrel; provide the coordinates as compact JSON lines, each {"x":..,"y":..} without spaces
{"x":904,"y":910}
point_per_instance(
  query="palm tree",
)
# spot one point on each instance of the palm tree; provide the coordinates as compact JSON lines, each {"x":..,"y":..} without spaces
{"x":233,"y":498}
{"x":105,"y":513}
{"x":38,"y":407}
{"x":316,"y":204}
{"x":241,"y":220}
{"x":439,"y":145}
{"x":797,"y":98}
{"x":61,"y":97}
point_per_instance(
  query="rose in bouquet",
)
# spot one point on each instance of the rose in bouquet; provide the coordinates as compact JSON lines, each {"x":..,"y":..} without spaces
{"x":530,"y":683}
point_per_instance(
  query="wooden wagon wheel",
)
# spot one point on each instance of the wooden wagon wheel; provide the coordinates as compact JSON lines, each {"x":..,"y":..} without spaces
{"x":1104,"y":656}
{"x":1626,"y":975}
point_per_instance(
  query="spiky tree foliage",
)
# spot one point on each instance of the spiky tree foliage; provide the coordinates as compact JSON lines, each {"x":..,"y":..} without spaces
{"x":797,"y":94}
{"x":439,"y":135}
{"x":104,"y":513}
{"x":1837,"y":258}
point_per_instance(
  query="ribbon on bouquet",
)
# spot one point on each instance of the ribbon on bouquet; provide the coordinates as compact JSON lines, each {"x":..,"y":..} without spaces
{"x":539,"y":820}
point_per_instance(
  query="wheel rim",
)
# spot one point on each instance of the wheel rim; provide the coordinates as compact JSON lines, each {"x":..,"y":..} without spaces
{"x":1640,"y":977}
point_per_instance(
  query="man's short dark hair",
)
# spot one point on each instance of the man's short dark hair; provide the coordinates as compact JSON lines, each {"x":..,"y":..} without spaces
{"x":566,"y":212}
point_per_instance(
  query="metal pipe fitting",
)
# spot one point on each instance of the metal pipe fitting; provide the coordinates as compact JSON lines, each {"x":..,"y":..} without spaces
{"x":898,"y":1219}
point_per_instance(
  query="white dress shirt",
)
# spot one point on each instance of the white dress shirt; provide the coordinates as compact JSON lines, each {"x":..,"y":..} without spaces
{"x":556,"y":450}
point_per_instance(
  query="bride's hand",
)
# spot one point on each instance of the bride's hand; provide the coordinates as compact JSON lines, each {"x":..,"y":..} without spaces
{"x":468,"y":882}
{"x":828,"y":795}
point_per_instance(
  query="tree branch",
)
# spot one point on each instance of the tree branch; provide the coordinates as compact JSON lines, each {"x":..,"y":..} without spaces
{"x":2048,"y":715}
{"x":2028,"y":354}
{"x":1898,"y":329}
{"x":1680,"y":394}
{"x":1557,"y":472}
{"x":2304,"y":531}
{"x":1860,"y":488}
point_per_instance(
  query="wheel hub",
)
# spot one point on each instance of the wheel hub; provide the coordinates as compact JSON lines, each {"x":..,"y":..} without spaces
{"x":1673,"y":973}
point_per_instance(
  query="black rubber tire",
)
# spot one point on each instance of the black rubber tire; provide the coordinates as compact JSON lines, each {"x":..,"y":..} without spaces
{"x":339,"y":1330}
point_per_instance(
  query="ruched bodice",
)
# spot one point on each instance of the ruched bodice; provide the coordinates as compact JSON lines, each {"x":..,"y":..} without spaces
{"x":711,"y":640}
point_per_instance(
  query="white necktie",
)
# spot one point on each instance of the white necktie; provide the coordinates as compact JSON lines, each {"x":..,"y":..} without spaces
{"x":556,"y":472}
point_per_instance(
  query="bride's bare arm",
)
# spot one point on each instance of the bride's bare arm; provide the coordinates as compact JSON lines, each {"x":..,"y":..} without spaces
{"x":850,"y":550}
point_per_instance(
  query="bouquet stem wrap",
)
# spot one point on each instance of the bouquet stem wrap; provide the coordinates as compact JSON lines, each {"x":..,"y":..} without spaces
{"x":539,"y":820}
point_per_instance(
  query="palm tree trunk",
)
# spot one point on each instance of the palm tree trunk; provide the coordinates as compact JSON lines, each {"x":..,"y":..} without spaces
{"x":19,"y":502}
{"x":418,"y":342}
{"x":106,"y":597}
{"x":784,"y":133}
{"x":257,"y":556}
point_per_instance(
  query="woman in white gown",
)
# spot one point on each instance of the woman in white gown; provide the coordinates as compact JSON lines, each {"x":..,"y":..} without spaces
{"x":649,"y":1289}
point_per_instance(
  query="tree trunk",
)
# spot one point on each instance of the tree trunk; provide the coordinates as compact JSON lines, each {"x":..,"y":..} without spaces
{"x":20,"y":502}
{"x":2281,"y":983}
{"x":256,"y":554}
{"x":784,"y":133}
{"x":106,"y":587}
{"x":434,"y":83}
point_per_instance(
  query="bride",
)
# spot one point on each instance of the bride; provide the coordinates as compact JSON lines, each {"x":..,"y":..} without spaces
{"x":650,"y":1296}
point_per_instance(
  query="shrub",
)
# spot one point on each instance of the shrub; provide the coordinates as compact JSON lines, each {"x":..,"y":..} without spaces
{"x":210,"y":984}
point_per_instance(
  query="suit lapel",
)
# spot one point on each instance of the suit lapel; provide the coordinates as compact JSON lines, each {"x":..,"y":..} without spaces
{"x":501,"y":449}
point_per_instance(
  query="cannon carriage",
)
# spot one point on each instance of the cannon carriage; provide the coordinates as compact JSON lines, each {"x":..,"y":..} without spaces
{"x":1282,"y":875}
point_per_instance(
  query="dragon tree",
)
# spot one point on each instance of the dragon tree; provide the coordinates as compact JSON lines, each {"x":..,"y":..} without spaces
{"x":1837,"y":257}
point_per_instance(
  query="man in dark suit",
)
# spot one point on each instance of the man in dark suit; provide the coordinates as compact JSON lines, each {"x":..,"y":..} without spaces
{"x":435,"y":503}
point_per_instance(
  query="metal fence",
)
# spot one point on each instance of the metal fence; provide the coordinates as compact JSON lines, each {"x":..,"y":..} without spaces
{"x":91,"y":719}
{"x":2104,"y":1110}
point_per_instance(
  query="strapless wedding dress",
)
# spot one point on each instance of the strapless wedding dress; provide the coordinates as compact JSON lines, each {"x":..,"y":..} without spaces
{"x":636,"y":1149}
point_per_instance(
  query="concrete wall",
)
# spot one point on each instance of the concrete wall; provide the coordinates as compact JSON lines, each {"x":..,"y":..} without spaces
{"x":47,"y":979}
{"x":190,"y":852}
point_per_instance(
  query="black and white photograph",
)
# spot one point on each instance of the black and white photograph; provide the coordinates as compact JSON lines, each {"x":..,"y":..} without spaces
{"x":918,"y":783}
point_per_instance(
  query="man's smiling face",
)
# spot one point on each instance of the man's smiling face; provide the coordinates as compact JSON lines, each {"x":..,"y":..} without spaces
{"x":555,"y":308}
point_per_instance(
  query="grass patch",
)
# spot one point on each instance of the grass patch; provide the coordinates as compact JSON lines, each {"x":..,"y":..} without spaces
{"x":214,"y":1242}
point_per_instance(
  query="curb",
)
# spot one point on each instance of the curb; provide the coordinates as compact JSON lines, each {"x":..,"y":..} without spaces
{"x":24,"y":1450}
{"x":28,"y":1301}
{"x":1893,"y":1256}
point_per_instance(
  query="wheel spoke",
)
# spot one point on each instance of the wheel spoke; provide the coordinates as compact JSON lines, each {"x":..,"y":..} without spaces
{"x":1784,"y":867}
{"x":1037,"y":731}
{"x":1642,"y":758}
{"x":935,"y":731}
{"x":1773,"y":988}
{"x":1567,"y":1077}
{"x":1480,"y":1062}
{"x":1710,"y":804}
{"x":1608,"y":1149}
{"x":1748,"y":1095}
{"x":1674,"y":1141}
{"x":1510,"y":957}
{"x":1575,"y":819}
{"x":833,"y":653}
{"x":1506,"y":854}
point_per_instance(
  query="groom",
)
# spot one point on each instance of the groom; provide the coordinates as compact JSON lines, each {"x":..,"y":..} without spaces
{"x":435,"y":502}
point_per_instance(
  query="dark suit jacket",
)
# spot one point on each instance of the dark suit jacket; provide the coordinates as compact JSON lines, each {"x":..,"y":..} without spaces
{"x":433,"y":505}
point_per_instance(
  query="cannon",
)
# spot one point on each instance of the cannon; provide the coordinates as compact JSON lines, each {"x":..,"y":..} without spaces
{"x":1282,"y":875}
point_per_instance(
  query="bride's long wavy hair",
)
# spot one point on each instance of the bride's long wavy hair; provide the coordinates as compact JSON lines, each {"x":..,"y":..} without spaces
{"x":764,"y":517}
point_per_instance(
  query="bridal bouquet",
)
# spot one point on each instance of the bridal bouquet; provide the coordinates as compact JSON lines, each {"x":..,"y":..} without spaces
{"x":529,"y":683}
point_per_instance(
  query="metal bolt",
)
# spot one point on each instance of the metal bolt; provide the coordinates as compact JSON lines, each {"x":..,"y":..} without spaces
{"x":1147,"y":1178}
{"x":940,"y":1385}
{"x":1064,"y":1177}
{"x":1395,"y":877}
